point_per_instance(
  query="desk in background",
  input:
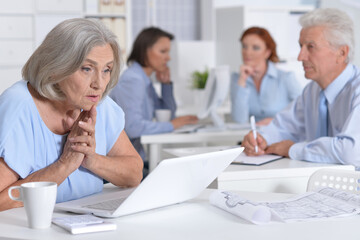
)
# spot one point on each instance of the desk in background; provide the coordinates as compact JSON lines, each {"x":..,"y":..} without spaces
{"x":284,"y":175}
{"x":155,"y":142}
{"x":195,"y":219}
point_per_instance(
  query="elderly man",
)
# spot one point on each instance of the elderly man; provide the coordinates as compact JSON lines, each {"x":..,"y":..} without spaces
{"x":322,"y":124}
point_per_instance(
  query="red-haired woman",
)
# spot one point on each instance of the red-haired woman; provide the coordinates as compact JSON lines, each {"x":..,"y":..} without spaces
{"x":260,"y":89}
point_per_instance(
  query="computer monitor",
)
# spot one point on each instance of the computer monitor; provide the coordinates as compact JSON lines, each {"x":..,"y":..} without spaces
{"x":216,"y":90}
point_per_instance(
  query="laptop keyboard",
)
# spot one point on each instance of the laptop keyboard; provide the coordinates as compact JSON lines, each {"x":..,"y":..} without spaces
{"x":110,"y":205}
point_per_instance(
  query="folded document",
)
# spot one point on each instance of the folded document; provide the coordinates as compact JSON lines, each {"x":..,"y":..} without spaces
{"x":248,"y":210}
{"x":324,"y":203}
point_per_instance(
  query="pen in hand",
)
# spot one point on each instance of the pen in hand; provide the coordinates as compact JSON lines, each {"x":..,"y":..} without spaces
{"x":253,"y":128}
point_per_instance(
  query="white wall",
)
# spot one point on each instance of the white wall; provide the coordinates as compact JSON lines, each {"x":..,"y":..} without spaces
{"x":208,"y":8}
{"x":272,"y":3}
{"x":187,"y":57}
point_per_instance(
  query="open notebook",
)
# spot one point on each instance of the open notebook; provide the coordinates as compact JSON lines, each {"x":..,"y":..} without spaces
{"x":172,"y":181}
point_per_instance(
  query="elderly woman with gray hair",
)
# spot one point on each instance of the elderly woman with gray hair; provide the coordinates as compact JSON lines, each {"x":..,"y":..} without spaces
{"x":58,"y":124}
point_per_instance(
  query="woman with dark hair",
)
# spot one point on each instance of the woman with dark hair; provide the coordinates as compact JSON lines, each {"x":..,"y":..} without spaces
{"x":135,"y":92}
{"x":260,"y":89}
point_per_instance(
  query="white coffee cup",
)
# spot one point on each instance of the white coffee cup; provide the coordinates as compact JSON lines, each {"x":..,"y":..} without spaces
{"x":39,"y":200}
{"x":163,"y":115}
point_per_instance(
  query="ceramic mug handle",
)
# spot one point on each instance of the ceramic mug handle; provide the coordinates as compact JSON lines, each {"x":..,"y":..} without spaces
{"x":11,"y":196}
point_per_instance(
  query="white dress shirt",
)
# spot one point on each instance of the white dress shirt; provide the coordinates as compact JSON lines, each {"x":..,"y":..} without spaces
{"x":298,"y":122}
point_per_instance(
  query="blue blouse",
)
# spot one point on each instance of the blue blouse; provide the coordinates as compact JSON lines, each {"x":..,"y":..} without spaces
{"x":278,"y":88}
{"x":136,"y":95}
{"x":27,"y":145}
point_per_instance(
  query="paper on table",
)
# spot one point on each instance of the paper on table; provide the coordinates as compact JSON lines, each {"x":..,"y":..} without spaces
{"x":248,"y":210}
{"x":324,"y":203}
{"x":256,"y":160}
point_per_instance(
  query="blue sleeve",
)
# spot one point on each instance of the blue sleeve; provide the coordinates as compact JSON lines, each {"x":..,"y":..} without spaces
{"x":344,"y":146}
{"x":239,"y":101}
{"x":110,"y":123}
{"x":167,"y":100}
{"x":17,"y":144}
{"x":19,"y":134}
{"x":289,"y":124}
{"x":130,"y":94}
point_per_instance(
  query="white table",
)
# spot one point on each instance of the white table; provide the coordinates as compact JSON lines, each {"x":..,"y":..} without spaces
{"x":156,"y":142}
{"x":195,"y":219}
{"x":284,"y":175}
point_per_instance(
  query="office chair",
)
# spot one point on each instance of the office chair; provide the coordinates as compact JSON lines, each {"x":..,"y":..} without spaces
{"x":345,"y":180}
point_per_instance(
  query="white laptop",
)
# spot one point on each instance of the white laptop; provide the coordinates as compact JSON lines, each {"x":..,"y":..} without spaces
{"x":172,"y":181}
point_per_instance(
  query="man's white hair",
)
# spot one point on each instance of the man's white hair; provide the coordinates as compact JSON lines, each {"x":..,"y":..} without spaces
{"x":339,"y":28}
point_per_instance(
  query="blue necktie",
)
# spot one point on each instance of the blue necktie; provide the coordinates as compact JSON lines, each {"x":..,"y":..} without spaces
{"x":322,"y":127}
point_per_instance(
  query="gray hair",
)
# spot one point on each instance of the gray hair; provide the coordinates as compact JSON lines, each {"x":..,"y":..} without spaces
{"x":339,"y":28}
{"x":62,"y":53}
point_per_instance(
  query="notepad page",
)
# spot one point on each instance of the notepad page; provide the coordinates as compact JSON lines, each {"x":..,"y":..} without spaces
{"x":256,"y":160}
